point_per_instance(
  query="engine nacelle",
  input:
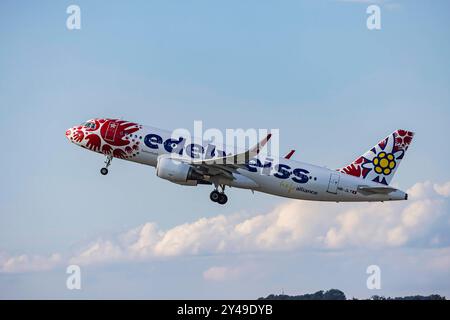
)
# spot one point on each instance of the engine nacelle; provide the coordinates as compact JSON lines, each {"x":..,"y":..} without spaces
{"x":177,"y":171}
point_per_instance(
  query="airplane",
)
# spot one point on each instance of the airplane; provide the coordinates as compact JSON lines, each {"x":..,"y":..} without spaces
{"x":366,"y":179}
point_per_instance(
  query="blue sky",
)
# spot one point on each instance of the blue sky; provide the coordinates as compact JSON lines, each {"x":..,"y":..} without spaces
{"x":309,"y":68}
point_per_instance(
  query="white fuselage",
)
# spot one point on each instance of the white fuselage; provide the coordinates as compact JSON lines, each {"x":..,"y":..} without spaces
{"x":285,"y":178}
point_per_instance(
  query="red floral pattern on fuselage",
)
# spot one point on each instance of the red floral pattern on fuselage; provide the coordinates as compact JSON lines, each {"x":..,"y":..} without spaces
{"x":115,"y":132}
{"x":108,"y":136}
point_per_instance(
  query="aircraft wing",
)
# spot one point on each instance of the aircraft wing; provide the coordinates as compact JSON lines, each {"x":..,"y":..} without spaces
{"x":236,"y":159}
{"x":226,"y":166}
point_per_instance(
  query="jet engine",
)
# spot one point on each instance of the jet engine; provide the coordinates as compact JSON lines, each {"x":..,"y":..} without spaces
{"x":177,"y":171}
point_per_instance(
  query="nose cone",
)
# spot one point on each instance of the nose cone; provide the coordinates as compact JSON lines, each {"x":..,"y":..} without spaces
{"x":69,"y":134}
{"x":76,"y":135}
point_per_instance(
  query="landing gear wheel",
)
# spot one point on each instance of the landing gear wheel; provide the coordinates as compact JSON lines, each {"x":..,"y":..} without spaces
{"x":222,"y":198}
{"x":104,"y":171}
{"x":214,"y":196}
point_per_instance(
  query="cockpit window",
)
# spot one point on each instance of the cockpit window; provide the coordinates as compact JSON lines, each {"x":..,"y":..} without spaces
{"x":89,"y":125}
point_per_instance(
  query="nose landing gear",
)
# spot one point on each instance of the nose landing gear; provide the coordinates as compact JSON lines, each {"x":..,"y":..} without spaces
{"x":104,"y":171}
{"x":219,"y":197}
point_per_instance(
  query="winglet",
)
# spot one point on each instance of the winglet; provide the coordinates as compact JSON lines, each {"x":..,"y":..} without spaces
{"x":289,"y":155}
{"x":256,"y":149}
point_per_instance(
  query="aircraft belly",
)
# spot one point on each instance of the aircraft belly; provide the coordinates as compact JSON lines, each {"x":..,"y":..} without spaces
{"x":284,"y":188}
{"x":147,"y":158}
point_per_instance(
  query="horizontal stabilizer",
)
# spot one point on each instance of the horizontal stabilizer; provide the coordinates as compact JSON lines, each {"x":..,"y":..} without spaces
{"x":379,"y":190}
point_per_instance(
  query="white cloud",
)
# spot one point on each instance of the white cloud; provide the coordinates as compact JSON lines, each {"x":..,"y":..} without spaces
{"x":443,"y":189}
{"x":27,"y":263}
{"x":222,"y":273}
{"x":292,"y":225}
{"x":99,"y":252}
{"x":423,"y":220}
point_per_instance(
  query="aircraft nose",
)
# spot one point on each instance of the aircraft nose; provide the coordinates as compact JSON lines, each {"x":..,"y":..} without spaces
{"x":75,"y":134}
{"x":69,"y":134}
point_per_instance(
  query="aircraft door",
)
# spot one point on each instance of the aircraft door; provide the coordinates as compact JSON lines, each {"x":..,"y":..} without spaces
{"x":111,"y":131}
{"x":334,"y":183}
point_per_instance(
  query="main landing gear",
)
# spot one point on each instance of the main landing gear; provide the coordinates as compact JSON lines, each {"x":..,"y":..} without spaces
{"x":219,"y":197}
{"x":104,"y":171}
